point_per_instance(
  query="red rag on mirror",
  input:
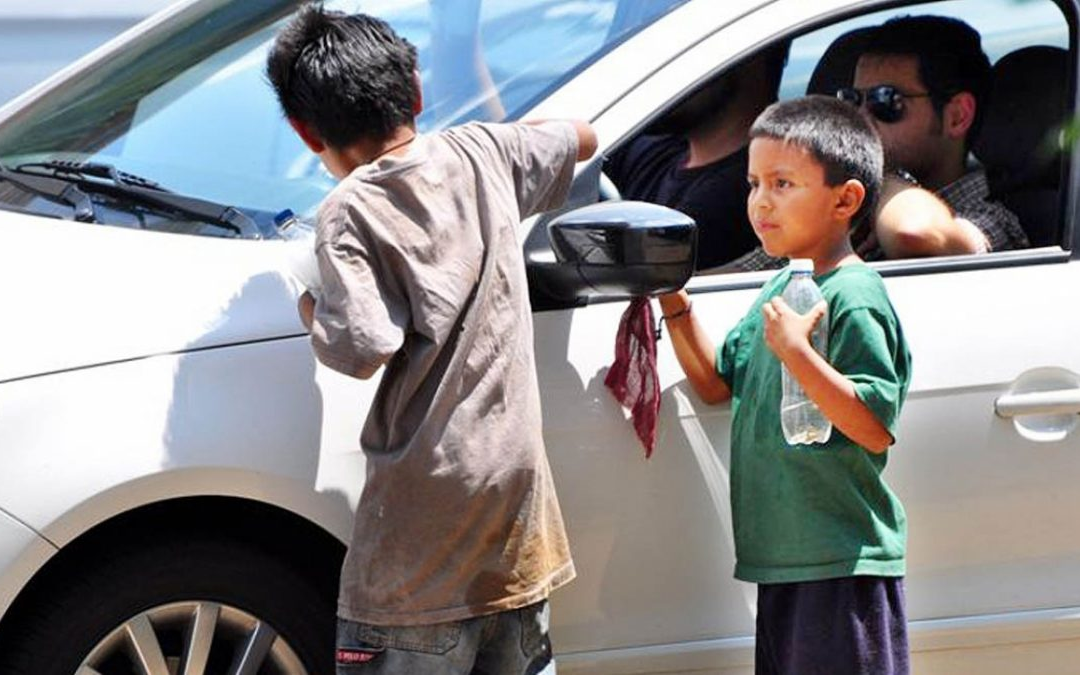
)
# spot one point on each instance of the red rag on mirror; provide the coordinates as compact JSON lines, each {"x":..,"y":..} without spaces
{"x":632,"y":378}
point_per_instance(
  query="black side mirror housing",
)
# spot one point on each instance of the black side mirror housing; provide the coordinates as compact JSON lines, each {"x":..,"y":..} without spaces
{"x":625,"y":248}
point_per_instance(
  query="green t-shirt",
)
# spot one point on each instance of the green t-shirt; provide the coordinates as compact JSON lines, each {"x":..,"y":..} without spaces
{"x":811,"y":512}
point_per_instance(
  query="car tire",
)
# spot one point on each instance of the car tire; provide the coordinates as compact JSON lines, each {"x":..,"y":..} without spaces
{"x":90,"y":609}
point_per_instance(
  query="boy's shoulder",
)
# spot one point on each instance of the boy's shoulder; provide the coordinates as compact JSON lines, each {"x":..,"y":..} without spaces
{"x":475,"y":138}
{"x":362,"y":197}
{"x":510,"y":136}
{"x":853,"y":287}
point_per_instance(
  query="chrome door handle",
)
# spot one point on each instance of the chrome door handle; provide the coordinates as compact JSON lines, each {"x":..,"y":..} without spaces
{"x":1057,"y":402}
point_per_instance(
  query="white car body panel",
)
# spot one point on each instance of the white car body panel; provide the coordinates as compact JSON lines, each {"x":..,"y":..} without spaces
{"x":118,"y":294}
{"x":142,"y":327}
{"x":123,"y":336}
{"x":100,"y":428}
{"x":22,"y":553}
{"x":653,"y":527}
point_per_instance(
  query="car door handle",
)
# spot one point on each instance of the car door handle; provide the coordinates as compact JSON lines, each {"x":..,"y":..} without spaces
{"x":1057,"y":402}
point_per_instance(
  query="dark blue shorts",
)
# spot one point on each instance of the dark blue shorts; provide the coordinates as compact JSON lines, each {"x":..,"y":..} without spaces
{"x":846,"y":626}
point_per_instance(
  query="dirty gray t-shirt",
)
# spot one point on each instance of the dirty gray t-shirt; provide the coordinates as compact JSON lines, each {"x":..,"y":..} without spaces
{"x":423,"y":272}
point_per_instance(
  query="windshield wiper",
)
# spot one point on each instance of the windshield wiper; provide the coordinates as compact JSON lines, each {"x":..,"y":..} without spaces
{"x":105,"y":177}
{"x":84,"y":169}
{"x":55,"y":189}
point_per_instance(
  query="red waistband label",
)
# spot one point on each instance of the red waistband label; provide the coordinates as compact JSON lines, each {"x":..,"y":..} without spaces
{"x":350,"y":656}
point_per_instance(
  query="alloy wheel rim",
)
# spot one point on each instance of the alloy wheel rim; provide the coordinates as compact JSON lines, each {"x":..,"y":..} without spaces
{"x":193,"y":638}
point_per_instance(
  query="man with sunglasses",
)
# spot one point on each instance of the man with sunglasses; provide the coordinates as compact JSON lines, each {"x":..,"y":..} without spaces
{"x":922,"y":81}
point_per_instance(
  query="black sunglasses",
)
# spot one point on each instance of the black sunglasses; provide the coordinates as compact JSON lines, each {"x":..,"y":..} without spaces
{"x":885,"y":102}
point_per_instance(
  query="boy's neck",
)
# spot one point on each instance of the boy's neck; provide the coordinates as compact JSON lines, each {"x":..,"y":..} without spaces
{"x":367,"y":151}
{"x":833,"y":256}
{"x":397,"y":144}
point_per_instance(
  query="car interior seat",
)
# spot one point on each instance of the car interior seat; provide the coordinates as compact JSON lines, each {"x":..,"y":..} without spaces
{"x":836,"y":67}
{"x":1022,"y":139}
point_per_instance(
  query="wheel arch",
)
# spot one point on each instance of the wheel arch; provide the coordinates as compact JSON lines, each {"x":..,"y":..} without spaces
{"x":303,"y":542}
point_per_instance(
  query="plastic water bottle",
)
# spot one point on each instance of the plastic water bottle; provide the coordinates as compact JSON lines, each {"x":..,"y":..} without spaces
{"x":800,"y":418}
{"x":300,"y":240}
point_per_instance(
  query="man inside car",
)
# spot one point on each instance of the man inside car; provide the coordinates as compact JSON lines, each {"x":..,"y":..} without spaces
{"x":694,"y":158}
{"x":922,"y":81}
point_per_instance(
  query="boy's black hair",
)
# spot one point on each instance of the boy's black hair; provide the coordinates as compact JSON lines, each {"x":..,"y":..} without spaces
{"x":836,"y":135}
{"x":348,"y":76}
{"x":950,"y":54}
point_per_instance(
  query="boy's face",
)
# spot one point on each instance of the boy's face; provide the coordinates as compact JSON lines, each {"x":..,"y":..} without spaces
{"x":794,"y":212}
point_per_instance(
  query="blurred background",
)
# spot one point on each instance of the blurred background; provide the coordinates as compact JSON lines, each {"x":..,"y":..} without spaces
{"x":39,"y":37}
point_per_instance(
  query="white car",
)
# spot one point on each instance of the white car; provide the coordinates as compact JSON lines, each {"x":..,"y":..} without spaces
{"x":177,"y":473}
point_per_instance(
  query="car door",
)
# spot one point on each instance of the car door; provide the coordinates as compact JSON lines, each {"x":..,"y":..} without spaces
{"x":985,"y":462}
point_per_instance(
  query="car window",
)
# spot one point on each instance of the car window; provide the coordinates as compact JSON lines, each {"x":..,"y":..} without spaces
{"x":1018,"y":142}
{"x":189,"y":106}
{"x":1015,"y":145}
{"x":1005,"y":26}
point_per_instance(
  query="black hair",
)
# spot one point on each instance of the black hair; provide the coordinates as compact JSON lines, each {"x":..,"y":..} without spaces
{"x":836,"y":135}
{"x":348,"y":76}
{"x":950,"y":55}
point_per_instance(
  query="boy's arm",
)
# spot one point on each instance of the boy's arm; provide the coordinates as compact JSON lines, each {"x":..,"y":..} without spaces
{"x":540,"y":157}
{"x":587,"y":140}
{"x":787,"y":334}
{"x":586,"y":136}
{"x":912,"y":222}
{"x":353,"y":288}
{"x":693,"y":348}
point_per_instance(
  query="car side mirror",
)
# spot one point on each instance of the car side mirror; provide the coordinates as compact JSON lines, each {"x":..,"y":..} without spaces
{"x":625,"y":248}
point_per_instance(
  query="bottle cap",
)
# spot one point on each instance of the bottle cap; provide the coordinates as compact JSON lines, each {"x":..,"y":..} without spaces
{"x":801,"y":265}
{"x":284,"y":217}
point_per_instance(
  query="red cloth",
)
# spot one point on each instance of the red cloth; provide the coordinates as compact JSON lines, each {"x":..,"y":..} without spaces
{"x":632,"y":378}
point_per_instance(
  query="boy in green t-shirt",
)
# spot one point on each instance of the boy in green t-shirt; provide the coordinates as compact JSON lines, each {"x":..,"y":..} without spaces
{"x":816,"y":527}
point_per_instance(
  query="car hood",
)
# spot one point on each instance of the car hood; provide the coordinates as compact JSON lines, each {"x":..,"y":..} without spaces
{"x":75,"y":295}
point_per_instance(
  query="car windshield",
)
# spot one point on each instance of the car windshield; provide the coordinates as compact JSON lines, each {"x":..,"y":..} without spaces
{"x":188,"y":104}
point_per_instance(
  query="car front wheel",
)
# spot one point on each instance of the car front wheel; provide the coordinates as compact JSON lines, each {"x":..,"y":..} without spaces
{"x":193,"y":607}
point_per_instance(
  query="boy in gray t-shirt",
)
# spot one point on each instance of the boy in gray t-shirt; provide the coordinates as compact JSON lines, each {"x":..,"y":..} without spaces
{"x":458,"y":538}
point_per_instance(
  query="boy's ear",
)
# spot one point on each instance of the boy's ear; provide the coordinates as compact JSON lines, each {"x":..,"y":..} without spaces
{"x":418,"y":104}
{"x":849,"y":197}
{"x":307,"y":135}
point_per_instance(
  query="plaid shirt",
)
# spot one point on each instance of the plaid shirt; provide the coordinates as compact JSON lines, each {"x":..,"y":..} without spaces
{"x":969,"y":198}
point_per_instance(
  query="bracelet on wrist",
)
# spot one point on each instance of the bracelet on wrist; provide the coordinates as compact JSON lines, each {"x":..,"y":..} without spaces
{"x":682,"y":312}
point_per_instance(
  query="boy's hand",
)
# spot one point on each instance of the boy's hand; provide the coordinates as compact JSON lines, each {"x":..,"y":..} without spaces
{"x":787,"y":331}
{"x":305,"y":306}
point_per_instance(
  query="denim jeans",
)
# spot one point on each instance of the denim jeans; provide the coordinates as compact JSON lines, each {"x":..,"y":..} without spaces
{"x":514,"y":642}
